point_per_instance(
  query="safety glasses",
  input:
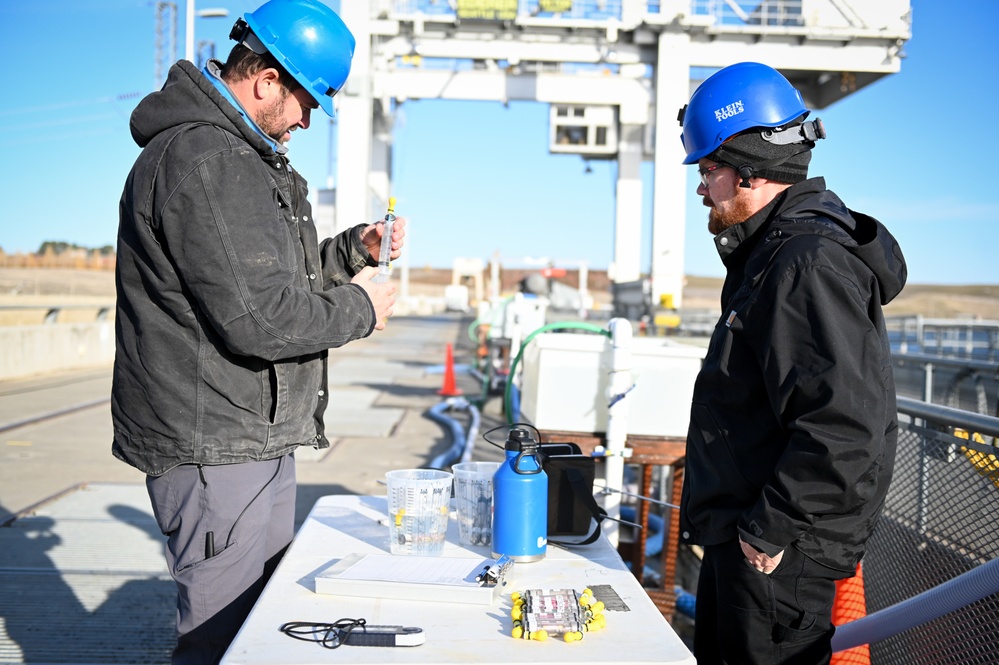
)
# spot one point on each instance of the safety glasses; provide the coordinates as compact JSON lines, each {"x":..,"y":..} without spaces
{"x":705,"y":170}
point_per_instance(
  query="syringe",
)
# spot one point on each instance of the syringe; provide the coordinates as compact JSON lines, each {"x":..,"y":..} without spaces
{"x":386,"y":248}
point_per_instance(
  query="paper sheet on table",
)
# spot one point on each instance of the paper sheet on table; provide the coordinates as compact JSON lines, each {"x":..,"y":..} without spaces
{"x":416,"y":569}
{"x":449,"y":579}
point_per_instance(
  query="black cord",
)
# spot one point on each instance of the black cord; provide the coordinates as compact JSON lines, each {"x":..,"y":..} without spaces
{"x":324,"y":634}
{"x":486,"y":434}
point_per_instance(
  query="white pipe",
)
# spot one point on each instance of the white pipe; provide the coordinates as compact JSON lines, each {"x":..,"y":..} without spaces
{"x":189,"y":32}
{"x":189,"y":16}
{"x":494,"y":278}
{"x":619,"y":383}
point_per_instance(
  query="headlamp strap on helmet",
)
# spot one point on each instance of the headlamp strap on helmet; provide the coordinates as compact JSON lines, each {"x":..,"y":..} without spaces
{"x":239,"y":30}
{"x":810,"y":131}
{"x":243,"y":34}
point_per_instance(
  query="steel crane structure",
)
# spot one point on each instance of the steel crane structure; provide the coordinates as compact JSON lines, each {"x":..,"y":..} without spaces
{"x":613,"y":71}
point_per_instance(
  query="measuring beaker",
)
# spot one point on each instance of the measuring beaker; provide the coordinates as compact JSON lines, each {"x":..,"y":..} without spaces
{"x":418,"y":504}
{"x":473,"y":499}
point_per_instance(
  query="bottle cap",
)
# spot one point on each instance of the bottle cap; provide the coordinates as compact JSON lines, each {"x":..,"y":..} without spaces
{"x":519,"y":439}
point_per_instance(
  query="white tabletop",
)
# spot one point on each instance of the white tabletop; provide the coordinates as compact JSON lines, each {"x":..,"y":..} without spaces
{"x":455,"y":633}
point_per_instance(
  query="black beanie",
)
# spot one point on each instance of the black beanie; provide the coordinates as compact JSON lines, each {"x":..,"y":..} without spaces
{"x":750,"y":148}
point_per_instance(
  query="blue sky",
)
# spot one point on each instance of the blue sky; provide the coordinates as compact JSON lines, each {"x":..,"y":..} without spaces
{"x":915,"y":150}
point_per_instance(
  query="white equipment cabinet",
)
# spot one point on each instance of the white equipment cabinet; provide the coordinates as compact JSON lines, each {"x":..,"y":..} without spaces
{"x":566,"y":377}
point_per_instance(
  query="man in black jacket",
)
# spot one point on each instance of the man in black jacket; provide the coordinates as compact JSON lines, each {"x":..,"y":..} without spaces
{"x":227,"y":306}
{"x":793,"y":420}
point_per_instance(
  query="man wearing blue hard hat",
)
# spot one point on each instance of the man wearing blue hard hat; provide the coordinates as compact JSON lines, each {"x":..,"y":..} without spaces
{"x":793,"y":421}
{"x":228,"y":303}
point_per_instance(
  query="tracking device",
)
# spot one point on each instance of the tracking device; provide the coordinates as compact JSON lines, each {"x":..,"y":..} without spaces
{"x":355,"y":633}
{"x":383,"y":636}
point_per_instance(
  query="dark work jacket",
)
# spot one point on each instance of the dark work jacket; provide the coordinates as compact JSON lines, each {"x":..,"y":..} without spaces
{"x":793,"y":421}
{"x":227,"y":303}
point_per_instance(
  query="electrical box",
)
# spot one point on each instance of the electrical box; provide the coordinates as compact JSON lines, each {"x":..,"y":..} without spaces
{"x":590,"y":131}
{"x":566,"y":376}
{"x":522,"y":315}
{"x":456,"y":298}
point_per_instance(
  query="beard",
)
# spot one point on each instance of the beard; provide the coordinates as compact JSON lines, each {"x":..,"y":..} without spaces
{"x":271,"y":118}
{"x":737,"y":213}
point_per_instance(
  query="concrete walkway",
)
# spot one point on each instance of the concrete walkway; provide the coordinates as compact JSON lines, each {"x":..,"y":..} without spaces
{"x":81,"y":564}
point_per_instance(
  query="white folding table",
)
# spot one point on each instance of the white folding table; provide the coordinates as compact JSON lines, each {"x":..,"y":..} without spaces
{"x":455,"y":632}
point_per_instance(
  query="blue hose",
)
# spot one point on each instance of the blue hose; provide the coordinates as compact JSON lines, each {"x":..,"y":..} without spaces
{"x":459,"y":440}
{"x":686,"y":602}
{"x":654,"y":540}
{"x":514,"y":393}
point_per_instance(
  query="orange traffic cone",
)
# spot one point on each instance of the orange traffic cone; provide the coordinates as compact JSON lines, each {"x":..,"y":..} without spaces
{"x":851,"y":604}
{"x":449,"y":389}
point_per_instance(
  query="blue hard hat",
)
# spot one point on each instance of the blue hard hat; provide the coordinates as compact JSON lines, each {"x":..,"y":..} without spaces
{"x":739,"y":97}
{"x":307,"y":38}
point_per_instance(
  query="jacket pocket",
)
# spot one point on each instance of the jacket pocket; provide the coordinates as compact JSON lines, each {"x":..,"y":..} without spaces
{"x":295,"y":386}
{"x":723,"y":476}
{"x":295,"y":254}
{"x":243,"y":382}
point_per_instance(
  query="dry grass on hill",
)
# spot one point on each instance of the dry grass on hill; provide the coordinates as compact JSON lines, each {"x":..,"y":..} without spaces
{"x":61,"y":286}
{"x":933,"y":301}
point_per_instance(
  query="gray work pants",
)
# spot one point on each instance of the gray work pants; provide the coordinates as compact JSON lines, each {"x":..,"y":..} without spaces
{"x":227,"y":528}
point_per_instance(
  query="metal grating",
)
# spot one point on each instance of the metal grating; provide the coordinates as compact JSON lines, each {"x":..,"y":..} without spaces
{"x":939,"y":522}
{"x":84,"y":581}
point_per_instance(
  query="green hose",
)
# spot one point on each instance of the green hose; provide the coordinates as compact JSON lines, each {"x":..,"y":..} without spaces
{"x":565,"y":325}
{"x":471,"y":330}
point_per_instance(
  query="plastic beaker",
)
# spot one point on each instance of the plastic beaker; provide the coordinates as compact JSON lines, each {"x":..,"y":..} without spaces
{"x":418,"y":504}
{"x":473,"y":498}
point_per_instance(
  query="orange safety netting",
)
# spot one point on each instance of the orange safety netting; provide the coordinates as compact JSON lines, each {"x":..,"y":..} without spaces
{"x":849,"y":605}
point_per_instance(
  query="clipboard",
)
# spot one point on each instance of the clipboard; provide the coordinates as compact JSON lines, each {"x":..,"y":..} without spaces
{"x":423,"y":578}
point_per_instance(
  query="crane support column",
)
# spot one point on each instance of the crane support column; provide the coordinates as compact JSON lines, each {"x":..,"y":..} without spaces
{"x":669,"y":185}
{"x":355,"y":111}
{"x":628,"y":205}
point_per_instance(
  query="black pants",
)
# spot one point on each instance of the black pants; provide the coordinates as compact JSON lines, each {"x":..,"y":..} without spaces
{"x":744,"y":617}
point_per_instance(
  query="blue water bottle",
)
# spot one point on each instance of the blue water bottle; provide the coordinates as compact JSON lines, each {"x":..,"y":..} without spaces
{"x":520,"y":496}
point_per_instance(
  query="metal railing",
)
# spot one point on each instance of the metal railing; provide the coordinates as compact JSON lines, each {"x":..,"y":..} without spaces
{"x":940,"y":521}
{"x":597,"y":10}
{"x":961,"y":383}
{"x":725,"y":12}
{"x":961,"y":338}
{"x":767,"y":12}
{"x":796,"y":16}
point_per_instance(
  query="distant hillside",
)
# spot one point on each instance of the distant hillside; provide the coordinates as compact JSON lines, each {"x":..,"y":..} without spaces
{"x":932,"y":301}
{"x":947,"y":302}
{"x":976,"y":300}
